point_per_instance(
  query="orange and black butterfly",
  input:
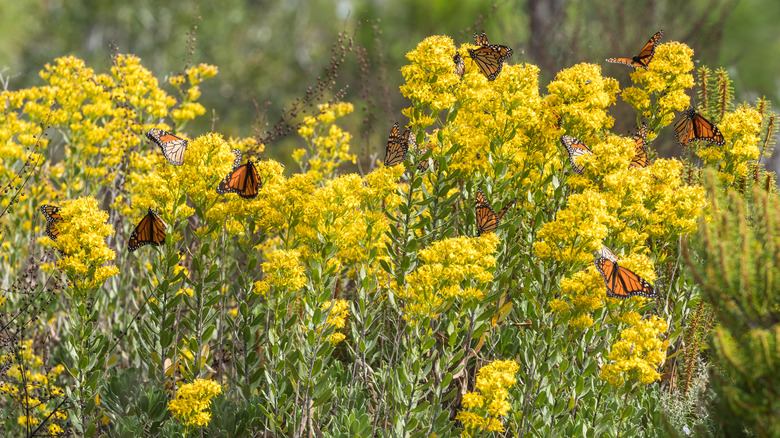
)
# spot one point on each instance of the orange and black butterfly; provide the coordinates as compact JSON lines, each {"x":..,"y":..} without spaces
{"x":243,"y":180}
{"x":150,"y":231}
{"x":621,"y":282}
{"x":490,"y":57}
{"x":397,"y":146}
{"x":460,"y":66}
{"x":640,"y":151}
{"x":423,"y":165}
{"x":642,"y":60}
{"x":52,"y":215}
{"x":487,"y":219}
{"x":172,"y":147}
{"x":575,"y":148}
{"x":693,"y":126}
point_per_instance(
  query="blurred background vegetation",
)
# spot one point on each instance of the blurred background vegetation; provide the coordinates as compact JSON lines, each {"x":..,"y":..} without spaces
{"x":269,"y":53}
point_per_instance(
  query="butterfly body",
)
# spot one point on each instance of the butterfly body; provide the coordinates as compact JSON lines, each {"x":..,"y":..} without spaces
{"x":243,"y":180}
{"x":53,"y":217}
{"x":642,"y":60}
{"x":487,"y":219}
{"x":575,"y":148}
{"x":172,"y":147}
{"x":150,"y":231}
{"x":621,"y":282}
{"x":693,"y":126}
{"x":397,"y":146}
{"x":489,"y":57}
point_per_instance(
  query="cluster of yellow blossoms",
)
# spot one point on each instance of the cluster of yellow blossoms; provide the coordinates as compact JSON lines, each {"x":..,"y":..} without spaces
{"x":483,"y":410}
{"x":192,"y":402}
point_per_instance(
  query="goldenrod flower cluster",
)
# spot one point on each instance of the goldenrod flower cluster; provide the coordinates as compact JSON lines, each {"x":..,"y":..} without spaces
{"x":83,"y":231}
{"x":453,"y":269}
{"x":27,"y":382}
{"x":327,"y":145}
{"x":283,"y":271}
{"x":638,"y":353}
{"x":483,"y":410}
{"x":337,"y":318}
{"x":192,"y":401}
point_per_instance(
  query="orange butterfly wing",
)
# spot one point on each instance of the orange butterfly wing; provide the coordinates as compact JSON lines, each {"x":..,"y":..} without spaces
{"x":640,"y":157}
{"x":692,"y":126}
{"x":575,"y":148}
{"x":642,"y":60}
{"x":487,"y":219}
{"x":397,"y":147}
{"x":52,"y":215}
{"x":489,"y":57}
{"x":150,"y":231}
{"x":621,"y":282}
{"x":243,"y":181}
{"x":172,"y":147}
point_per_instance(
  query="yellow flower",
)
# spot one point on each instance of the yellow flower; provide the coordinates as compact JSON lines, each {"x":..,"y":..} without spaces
{"x":283,"y":271}
{"x":451,"y":269}
{"x":482,"y":411}
{"x":637,"y":354}
{"x":337,"y":318}
{"x":192,"y":402}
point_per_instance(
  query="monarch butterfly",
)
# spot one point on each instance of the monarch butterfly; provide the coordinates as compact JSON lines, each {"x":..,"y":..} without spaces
{"x":640,"y":157}
{"x":243,"y":180}
{"x":52,"y":215}
{"x":575,"y":148}
{"x":607,"y":253}
{"x":460,"y":66}
{"x":487,"y":219}
{"x":423,"y":165}
{"x":397,"y":146}
{"x":150,"y":231}
{"x":693,"y":126}
{"x":172,"y":147}
{"x":490,"y":57}
{"x":621,"y":282}
{"x":645,"y":55}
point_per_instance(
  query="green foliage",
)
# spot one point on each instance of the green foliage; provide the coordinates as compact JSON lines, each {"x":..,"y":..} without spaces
{"x":736,"y":260}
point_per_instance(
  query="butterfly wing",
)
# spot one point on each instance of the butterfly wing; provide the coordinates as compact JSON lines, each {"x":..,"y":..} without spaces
{"x":607,"y":253}
{"x":505,"y":209}
{"x":487,"y":220}
{"x":642,"y":60}
{"x":640,"y":151}
{"x":237,"y":160}
{"x":621,"y":282}
{"x":481,"y":40}
{"x":397,"y":147}
{"x":460,"y":66}
{"x":243,"y":181}
{"x":150,"y":231}
{"x":490,"y":59}
{"x":693,"y":126}
{"x":52,"y":215}
{"x":172,"y":147}
{"x":423,"y":165}
{"x":575,"y":148}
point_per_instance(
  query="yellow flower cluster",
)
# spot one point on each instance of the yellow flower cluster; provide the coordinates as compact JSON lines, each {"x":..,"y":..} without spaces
{"x":327,"y":144}
{"x":337,"y":318}
{"x":740,"y":129}
{"x":450,"y":269}
{"x":192,"y":401}
{"x":27,"y":382}
{"x":665,"y":83}
{"x":83,"y":231}
{"x":283,"y":271}
{"x":482,"y":411}
{"x":638,"y":353}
